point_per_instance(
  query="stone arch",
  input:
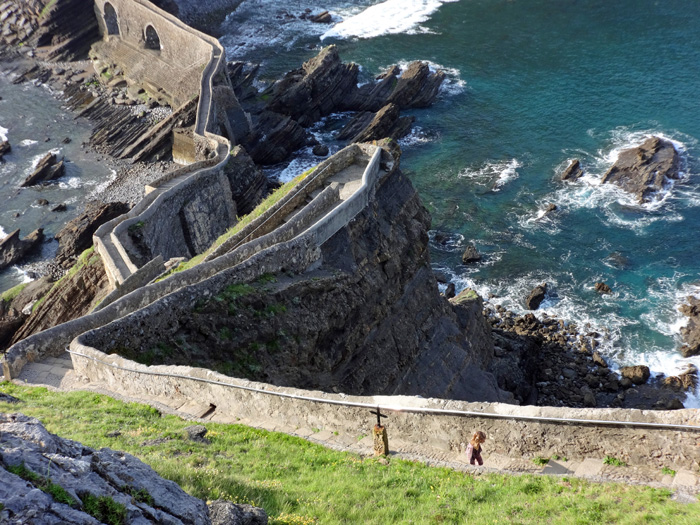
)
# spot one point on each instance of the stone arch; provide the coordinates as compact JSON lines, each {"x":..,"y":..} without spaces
{"x":151,"y":38}
{"x":111,"y":19}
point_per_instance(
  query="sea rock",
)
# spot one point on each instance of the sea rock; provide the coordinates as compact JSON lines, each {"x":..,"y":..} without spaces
{"x":686,"y":381}
{"x":79,"y":469}
{"x":314,"y":90}
{"x":248,"y":182}
{"x":602,"y":288}
{"x":550,"y":208}
{"x":59,"y":207}
{"x":638,"y":374}
{"x":76,"y":236}
{"x":223,"y":512}
{"x":598,"y":360}
{"x":321,"y":18}
{"x":48,"y":168}
{"x":573,"y":172}
{"x":386,"y":123}
{"x":320,"y":150}
{"x":536,"y":297}
{"x":4,"y":148}
{"x":471,"y":254}
{"x":450,"y":291}
{"x":690,"y":333}
{"x":42,"y":202}
{"x":644,"y":170}
{"x":275,"y":136}
{"x":13,"y":249}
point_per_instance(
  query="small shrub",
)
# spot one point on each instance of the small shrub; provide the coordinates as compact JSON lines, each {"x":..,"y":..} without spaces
{"x":668,"y":471}
{"x":610,"y":460}
{"x":540,"y":461}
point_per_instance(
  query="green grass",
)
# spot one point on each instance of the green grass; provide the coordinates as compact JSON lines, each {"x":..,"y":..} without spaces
{"x":8,"y":295}
{"x":104,"y":509}
{"x":299,"y":482}
{"x":610,"y":460}
{"x":244,"y":221}
{"x":58,"y":493}
{"x":540,"y":461}
{"x":47,"y":8}
{"x":668,"y":471}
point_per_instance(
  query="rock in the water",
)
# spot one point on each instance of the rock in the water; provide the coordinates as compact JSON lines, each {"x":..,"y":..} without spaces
{"x":441,"y":277}
{"x":686,"y":381}
{"x":602,"y":288}
{"x":320,"y":150}
{"x":644,"y":170}
{"x":76,"y":236}
{"x":471,"y":254}
{"x":4,"y":148}
{"x":690,"y":333}
{"x":573,"y":172}
{"x":321,"y":18}
{"x":59,"y":207}
{"x":79,"y":470}
{"x":13,"y":249}
{"x":536,"y":297}
{"x":450,"y":291}
{"x":550,"y":208}
{"x":598,"y":360}
{"x":42,"y":202}
{"x":386,"y":123}
{"x":48,"y":168}
{"x":223,"y":512}
{"x":638,"y":374}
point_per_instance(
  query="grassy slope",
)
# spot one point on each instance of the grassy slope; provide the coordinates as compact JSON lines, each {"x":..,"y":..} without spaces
{"x":299,"y":482}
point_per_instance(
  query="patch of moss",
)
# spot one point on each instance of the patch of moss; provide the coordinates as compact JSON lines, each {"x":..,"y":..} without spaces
{"x":9,"y":295}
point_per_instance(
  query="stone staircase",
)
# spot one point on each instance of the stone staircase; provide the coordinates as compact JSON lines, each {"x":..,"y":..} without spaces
{"x":57,"y":373}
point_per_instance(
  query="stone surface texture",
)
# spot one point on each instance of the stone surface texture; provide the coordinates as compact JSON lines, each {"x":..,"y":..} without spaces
{"x":79,"y":469}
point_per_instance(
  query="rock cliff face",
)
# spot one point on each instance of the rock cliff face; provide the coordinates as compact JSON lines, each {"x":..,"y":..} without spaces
{"x":369,"y":320}
{"x":29,"y":454}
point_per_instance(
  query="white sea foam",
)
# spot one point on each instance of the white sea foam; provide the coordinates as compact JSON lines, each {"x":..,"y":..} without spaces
{"x":416,"y":137}
{"x":3,"y":233}
{"x":70,"y":183}
{"x":453,"y":83}
{"x":389,"y":17}
{"x":493,"y":174}
{"x":3,"y":133}
{"x":296,"y":167}
{"x":27,"y":143}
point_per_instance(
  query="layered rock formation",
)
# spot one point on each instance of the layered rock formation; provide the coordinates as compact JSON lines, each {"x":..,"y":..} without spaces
{"x":691,"y":331}
{"x":13,"y":249}
{"x":31,"y":458}
{"x":49,"y":168}
{"x":644,"y":170}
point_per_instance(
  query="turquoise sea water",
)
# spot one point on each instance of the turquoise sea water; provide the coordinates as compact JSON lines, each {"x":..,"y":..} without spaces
{"x":532,"y":85}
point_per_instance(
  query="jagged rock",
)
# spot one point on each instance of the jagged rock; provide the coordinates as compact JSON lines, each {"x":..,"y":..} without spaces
{"x":223,"y":512}
{"x":450,"y":291}
{"x":274,"y":138}
{"x":13,"y":249}
{"x":686,"y":381}
{"x":4,"y":148}
{"x":643,"y":170}
{"x":573,"y":172}
{"x":248,"y":183}
{"x":48,"y":168}
{"x":7,"y":398}
{"x":76,"y":236}
{"x":79,"y":469}
{"x":59,"y":207}
{"x":602,"y":288}
{"x":638,"y":374}
{"x":471,"y":254}
{"x":589,"y":399}
{"x":441,"y":277}
{"x":536,"y":297}
{"x":73,"y":297}
{"x":386,"y":123}
{"x":550,"y":208}
{"x":598,"y":360}
{"x":321,"y":18}
{"x":316,"y":89}
{"x":14,"y":313}
{"x":42,"y":202}
{"x":690,"y":333}
{"x":66,"y":140}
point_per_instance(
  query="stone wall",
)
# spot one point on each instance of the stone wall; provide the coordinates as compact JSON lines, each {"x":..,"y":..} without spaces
{"x":512,"y":430}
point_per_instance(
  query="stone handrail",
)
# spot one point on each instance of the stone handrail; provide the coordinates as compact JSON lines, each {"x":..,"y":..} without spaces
{"x":527,"y":431}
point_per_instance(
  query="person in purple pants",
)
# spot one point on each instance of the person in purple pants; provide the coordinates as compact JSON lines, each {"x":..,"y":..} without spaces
{"x":474,"y":448}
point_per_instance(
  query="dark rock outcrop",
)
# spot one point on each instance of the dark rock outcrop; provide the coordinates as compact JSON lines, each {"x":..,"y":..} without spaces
{"x":4,"y":148}
{"x":248,"y":183}
{"x":50,"y":167}
{"x":471,"y":254}
{"x":638,"y":374}
{"x":368,"y":126}
{"x":76,"y":236}
{"x":644,"y":170}
{"x":13,"y":249}
{"x":602,"y":288}
{"x":573,"y":172}
{"x":536,"y":297}
{"x":314,"y":90}
{"x":690,"y":333}
{"x":685,"y":381}
{"x":80,"y":470}
{"x":274,"y":138}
